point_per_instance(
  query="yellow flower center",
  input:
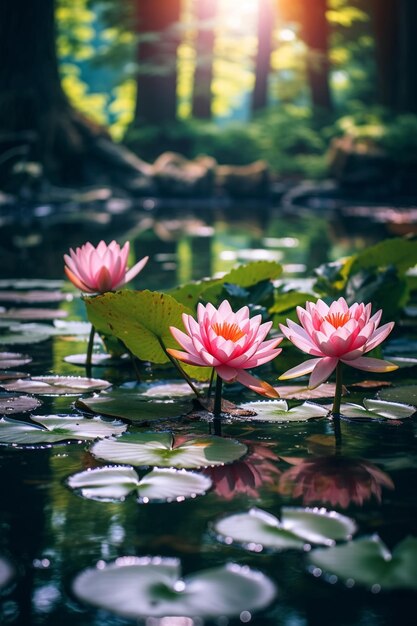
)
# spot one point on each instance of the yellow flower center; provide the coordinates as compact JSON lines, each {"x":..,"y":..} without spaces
{"x":337,"y":319}
{"x":228,"y":331}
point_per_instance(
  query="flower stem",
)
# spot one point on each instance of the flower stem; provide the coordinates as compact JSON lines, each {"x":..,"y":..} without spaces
{"x":336,"y":407}
{"x":88,"y":357}
{"x":180,"y":370}
{"x":217,"y":411}
{"x":338,"y":392}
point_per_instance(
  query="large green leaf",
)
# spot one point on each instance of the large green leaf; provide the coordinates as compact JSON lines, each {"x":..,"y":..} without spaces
{"x":399,"y":252}
{"x":154,"y":587}
{"x":368,"y":562}
{"x":159,"y":485}
{"x":163,"y":450}
{"x":297,"y":528}
{"x":210,"y":289}
{"x":141,"y":320}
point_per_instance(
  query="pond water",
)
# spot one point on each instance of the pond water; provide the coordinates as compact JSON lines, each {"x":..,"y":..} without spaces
{"x":50,"y":533}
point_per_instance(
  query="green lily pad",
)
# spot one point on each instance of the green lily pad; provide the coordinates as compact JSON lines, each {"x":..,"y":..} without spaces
{"x":54,"y":428}
{"x":368,"y":562}
{"x":16,"y":339}
{"x":407,"y":394}
{"x":57,"y":385}
{"x":13,"y":359}
{"x":141,"y":320}
{"x":377,"y":409}
{"x":166,"y":450}
{"x":159,"y":485}
{"x":297,"y":529}
{"x":154,"y":587}
{"x":12,"y":403}
{"x":132,"y":405}
{"x":278,"y":411}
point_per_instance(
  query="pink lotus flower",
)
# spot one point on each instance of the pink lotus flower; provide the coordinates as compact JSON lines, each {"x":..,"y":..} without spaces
{"x":333,"y":334}
{"x":229,"y":342}
{"x":337,"y":480}
{"x":96,"y":270}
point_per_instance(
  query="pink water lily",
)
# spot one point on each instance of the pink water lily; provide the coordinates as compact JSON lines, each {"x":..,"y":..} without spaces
{"x":100,"y":269}
{"x":229,"y":342}
{"x":334,"y":334}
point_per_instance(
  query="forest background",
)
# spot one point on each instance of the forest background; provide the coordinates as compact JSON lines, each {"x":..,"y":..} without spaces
{"x":94,"y":91}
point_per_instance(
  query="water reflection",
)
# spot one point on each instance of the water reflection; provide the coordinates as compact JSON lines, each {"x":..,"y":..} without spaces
{"x":256,"y":470}
{"x":334,"y":479}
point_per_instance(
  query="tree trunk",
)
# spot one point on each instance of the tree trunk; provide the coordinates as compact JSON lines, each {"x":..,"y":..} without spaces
{"x":315,"y":33}
{"x":37,"y":123}
{"x":263,"y":57}
{"x":206,"y":11}
{"x":396,"y":53}
{"x":157,"y":58}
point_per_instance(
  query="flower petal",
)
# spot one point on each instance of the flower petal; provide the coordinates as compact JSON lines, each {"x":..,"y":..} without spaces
{"x":371,"y":365}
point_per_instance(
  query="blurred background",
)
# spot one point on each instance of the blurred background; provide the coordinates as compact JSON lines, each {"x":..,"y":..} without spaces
{"x":207,"y":97}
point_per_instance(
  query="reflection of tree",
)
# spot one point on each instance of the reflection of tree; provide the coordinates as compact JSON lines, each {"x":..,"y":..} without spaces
{"x":247,"y":476}
{"x":335,"y":479}
{"x":206,"y":11}
{"x":263,"y":56}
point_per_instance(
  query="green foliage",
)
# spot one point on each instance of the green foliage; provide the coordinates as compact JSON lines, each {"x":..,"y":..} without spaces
{"x":377,"y":275}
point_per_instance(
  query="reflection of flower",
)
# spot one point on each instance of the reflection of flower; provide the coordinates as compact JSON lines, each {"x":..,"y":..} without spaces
{"x":248,"y":475}
{"x":96,"y":270}
{"x":229,"y":342}
{"x":333,"y":334}
{"x":335,"y":479}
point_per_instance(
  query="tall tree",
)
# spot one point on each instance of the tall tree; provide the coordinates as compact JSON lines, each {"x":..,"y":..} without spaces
{"x":394,"y":23}
{"x":263,"y":56}
{"x":205,"y":13}
{"x":34,"y":110}
{"x":157,"y":25}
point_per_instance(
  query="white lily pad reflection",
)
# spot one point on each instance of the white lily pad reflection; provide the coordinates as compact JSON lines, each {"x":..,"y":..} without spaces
{"x":7,"y":572}
{"x":368,"y":562}
{"x":377,"y":409}
{"x":297,"y":529}
{"x":159,"y":485}
{"x":168,"y":450}
{"x":154,"y":587}
{"x":57,"y":385}
{"x":278,"y":411}
{"x":54,"y":428}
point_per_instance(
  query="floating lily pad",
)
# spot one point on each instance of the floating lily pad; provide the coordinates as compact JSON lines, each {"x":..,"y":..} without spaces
{"x":133,"y":406}
{"x":97,"y":359}
{"x":33,"y":314}
{"x":166,"y":450}
{"x":294,"y":392}
{"x":297,"y":529}
{"x":57,"y":385}
{"x":154,"y":587}
{"x":35,"y":295}
{"x":377,"y":409}
{"x":159,"y":485}
{"x":368,"y":562}
{"x":59,"y":328}
{"x":16,"y":339}
{"x":7,"y":572}
{"x":10,"y":375}
{"x":53,"y":428}
{"x":13,"y":359}
{"x":407,"y":394}
{"x":31,"y":283}
{"x":278,"y":411}
{"x":11,"y":403}
{"x":167,"y":389}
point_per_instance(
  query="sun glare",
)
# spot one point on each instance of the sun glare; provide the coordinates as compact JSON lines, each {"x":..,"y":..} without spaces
{"x":240,"y":15}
